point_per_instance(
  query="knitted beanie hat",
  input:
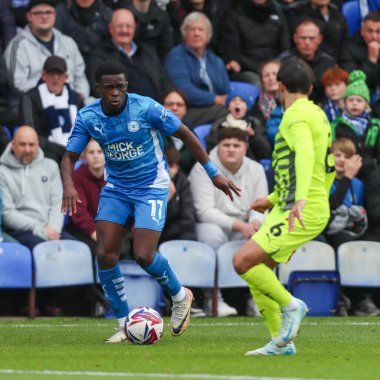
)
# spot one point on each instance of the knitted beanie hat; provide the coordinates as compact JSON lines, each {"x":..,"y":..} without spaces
{"x":242,"y":94}
{"x":357,"y":85}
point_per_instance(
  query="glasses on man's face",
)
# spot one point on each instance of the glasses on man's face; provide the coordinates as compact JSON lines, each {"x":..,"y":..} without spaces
{"x":42,"y":13}
{"x":171,"y":104}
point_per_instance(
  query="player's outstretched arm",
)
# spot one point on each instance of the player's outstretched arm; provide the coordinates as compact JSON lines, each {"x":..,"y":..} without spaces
{"x":70,"y":196}
{"x":219,"y":181}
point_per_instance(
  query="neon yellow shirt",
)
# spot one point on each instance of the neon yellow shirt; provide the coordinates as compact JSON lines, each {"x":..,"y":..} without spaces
{"x":302,"y":161}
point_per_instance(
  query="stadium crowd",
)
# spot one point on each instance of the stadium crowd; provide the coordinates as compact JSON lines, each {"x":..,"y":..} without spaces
{"x":185,"y":54}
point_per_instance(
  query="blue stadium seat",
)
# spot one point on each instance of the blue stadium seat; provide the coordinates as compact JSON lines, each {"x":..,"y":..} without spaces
{"x":16,"y":270}
{"x":194,"y":263}
{"x":351,"y":10}
{"x":359,"y":263}
{"x":8,"y":132}
{"x":320,"y":290}
{"x":201,"y":132}
{"x":252,"y":90}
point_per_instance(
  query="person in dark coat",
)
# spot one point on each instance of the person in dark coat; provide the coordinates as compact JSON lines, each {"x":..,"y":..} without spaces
{"x":333,"y":24}
{"x":146,"y":77}
{"x":86,"y":21}
{"x":308,"y":39}
{"x":251,"y":34}
{"x":363,"y":51}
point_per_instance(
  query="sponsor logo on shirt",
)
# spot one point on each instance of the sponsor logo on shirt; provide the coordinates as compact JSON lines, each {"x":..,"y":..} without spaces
{"x":123,"y":151}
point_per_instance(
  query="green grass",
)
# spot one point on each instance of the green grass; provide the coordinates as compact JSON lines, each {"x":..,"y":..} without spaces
{"x":328,"y":348}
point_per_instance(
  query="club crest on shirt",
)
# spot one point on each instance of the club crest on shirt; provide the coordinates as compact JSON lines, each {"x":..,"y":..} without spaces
{"x":133,"y":126}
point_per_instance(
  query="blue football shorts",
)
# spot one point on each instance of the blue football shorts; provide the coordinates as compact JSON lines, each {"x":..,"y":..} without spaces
{"x":147,"y":207}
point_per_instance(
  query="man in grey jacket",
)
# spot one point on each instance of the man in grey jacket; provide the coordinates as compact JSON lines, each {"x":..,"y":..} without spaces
{"x":31,"y":189}
{"x":221,"y":220}
{"x":28,"y":50}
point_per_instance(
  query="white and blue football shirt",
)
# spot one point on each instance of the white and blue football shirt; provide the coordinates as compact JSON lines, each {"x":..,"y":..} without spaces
{"x":131,"y":141}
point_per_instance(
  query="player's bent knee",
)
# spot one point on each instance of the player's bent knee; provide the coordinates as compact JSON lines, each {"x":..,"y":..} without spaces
{"x":106,"y":260}
{"x":143,"y":260}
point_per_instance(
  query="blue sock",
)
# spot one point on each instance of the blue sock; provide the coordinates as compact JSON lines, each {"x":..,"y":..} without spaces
{"x":112,"y":282}
{"x":160,"y":269}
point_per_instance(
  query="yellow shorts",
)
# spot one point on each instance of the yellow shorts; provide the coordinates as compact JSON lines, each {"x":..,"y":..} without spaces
{"x":274,"y":236}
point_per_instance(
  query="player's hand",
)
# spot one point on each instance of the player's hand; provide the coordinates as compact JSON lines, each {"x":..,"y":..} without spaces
{"x":226,"y":185}
{"x":261,"y":205}
{"x":296,"y":213}
{"x":70,"y":198}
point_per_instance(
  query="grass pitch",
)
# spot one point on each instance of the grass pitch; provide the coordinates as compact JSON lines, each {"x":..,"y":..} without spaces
{"x":212,"y":348}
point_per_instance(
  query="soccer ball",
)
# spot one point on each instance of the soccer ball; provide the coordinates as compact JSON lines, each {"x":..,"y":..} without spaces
{"x":144,"y":325}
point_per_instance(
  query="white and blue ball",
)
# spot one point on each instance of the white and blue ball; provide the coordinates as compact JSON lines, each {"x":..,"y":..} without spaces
{"x":144,"y":325}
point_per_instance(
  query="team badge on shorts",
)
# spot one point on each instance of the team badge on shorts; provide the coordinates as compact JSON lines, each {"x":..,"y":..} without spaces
{"x":133,"y":126}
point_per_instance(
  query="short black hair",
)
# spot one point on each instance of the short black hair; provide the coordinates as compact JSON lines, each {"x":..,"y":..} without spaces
{"x":110,"y":68}
{"x":296,"y":75}
{"x":232,"y":133}
{"x":373,"y":16}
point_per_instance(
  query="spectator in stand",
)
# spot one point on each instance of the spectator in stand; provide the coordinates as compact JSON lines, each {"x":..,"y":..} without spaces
{"x":219,"y":220}
{"x":363,"y":51}
{"x":333,"y":24}
{"x":308,"y":39}
{"x":346,"y":191}
{"x":176,"y":101}
{"x":195,"y":69}
{"x":254,"y":32}
{"x":51,"y":108}
{"x":213,"y":9}
{"x":356,"y":124}
{"x":7,"y":25}
{"x":335,"y":82}
{"x":349,"y":219}
{"x":31,"y":189}
{"x":153,"y":26}
{"x":147,"y":77}
{"x":180,"y":217}
{"x":239,"y":104}
{"x":85,"y":21}
{"x":27,"y":52}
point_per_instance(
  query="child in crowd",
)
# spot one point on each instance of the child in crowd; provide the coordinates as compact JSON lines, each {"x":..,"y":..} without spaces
{"x":239,"y":104}
{"x":335,"y":82}
{"x":356,"y":123}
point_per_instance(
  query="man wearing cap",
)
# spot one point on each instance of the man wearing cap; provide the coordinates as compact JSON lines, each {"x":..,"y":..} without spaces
{"x":51,"y":108}
{"x":27,"y":52}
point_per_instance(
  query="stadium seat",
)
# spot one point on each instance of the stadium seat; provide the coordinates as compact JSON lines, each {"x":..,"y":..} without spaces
{"x":252,"y":90}
{"x":201,"y":132}
{"x":359,"y":263}
{"x":320,"y":290}
{"x":62,"y":263}
{"x":269,"y":172}
{"x":351,"y":11}
{"x":16,"y":270}
{"x":227,"y":277}
{"x":314,"y":255}
{"x":194,"y":264}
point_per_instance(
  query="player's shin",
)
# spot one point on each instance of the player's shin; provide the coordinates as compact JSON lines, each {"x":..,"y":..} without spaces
{"x":160,"y":269}
{"x":112,"y":282}
{"x":270,"y":311}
